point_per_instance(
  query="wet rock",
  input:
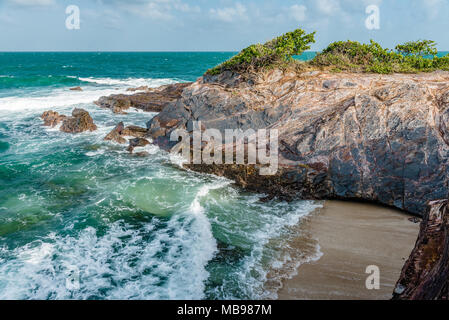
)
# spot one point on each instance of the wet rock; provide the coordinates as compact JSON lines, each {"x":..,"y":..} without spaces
{"x":142,"y":154}
{"x":52,"y":118}
{"x":80,"y":121}
{"x":141,"y":88}
{"x":137,"y":142}
{"x":134,"y":131}
{"x":76,"y":89}
{"x":152,"y":100}
{"x":116,"y":134}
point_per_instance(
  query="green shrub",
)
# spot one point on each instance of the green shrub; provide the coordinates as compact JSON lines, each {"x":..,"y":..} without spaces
{"x":352,"y":56}
{"x":273,"y":53}
{"x":418,"y":48}
{"x":357,"y":57}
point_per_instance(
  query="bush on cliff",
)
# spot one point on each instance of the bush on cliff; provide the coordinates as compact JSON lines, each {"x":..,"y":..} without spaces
{"x":418,"y":48}
{"x":411,"y":57}
{"x":276,"y":52}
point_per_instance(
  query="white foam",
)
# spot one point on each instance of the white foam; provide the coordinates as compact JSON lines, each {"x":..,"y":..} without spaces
{"x":130,"y":82}
{"x":57,"y":98}
{"x":64,"y":97}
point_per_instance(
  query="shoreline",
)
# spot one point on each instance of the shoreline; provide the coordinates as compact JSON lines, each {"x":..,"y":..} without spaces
{"x":351,"y":237}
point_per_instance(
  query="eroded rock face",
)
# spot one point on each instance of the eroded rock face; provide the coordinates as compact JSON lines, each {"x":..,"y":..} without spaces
{"x":152,"y":100}
{"x":425,"y":275}
{"x":381,"y":138}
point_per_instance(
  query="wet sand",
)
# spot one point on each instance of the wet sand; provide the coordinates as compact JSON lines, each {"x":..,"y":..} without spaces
{"x":351,"y":237}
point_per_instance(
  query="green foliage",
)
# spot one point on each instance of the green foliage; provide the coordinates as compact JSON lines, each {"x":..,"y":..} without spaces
{"x":274,"y":53}
{"x":418,"y":48}
{"x":356,"y":57}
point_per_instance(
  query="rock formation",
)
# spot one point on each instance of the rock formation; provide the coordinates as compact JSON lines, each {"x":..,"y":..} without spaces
{"x":119,"y":133}
{"x":341,"y":136}
{"x":52,"y":118}
{"x":425,"y":275}
{"x":80,"y":121}
{"x":153,"y":100}
{"x":116,"y":134}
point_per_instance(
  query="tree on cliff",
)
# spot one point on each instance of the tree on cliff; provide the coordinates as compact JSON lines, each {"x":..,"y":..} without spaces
{"x":273,"y":53}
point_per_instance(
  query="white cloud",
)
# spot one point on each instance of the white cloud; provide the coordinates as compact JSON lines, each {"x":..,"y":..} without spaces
{"x":433,"y":7}
{"x":328,"y":7}
{"x":298,"y":12}
{"x":33,"y":2}
{"x":156,"y":9}
{"x":230,"y":14}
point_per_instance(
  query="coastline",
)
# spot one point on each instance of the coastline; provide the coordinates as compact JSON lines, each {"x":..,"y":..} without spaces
{"x":351,"y":236}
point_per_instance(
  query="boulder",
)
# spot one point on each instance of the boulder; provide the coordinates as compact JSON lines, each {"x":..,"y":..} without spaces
{"x":80,"y":121}
{"x":76,"y":89}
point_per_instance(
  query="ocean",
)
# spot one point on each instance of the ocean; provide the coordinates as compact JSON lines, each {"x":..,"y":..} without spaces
{"x":82,"y":219}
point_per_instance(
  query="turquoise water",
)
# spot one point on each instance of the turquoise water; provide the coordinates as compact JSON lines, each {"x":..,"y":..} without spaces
{"x":74,"y":207}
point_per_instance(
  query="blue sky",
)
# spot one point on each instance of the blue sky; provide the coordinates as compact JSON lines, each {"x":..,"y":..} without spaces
{"x":212,"y":25}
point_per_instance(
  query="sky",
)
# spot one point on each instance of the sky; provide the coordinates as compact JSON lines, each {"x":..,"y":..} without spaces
{"x":212,"y":25}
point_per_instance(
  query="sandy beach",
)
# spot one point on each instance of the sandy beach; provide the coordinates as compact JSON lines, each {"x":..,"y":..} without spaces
{"x":351,"y":237}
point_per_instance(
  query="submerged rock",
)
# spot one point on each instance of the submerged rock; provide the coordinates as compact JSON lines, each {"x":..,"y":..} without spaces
{"x":80,"y":121}
{"x":116,"y":134}
{"x":152,"y":100}
{"x":119,"y":133}
{"x":137,"y":142}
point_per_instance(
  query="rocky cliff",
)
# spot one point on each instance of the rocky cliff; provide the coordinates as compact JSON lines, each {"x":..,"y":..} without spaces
{"x":342,"y":136}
